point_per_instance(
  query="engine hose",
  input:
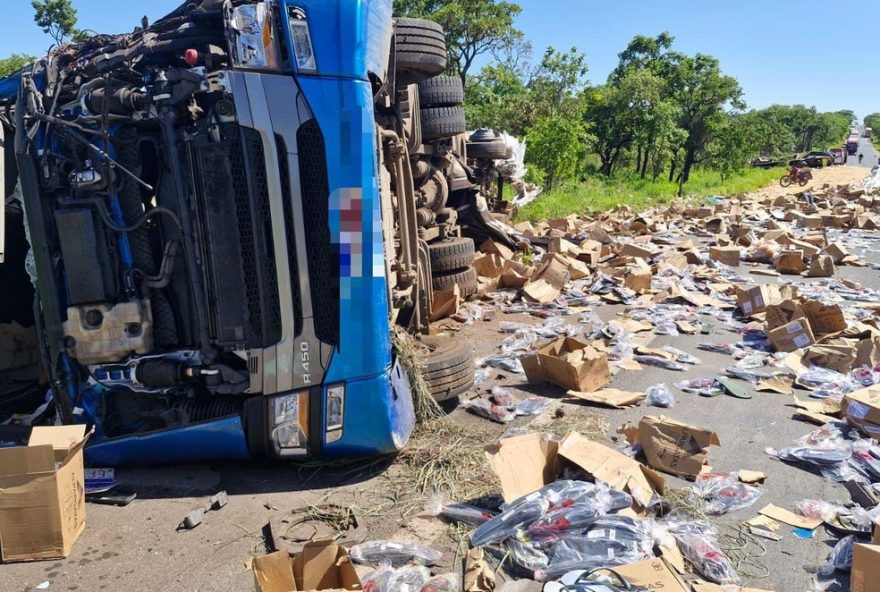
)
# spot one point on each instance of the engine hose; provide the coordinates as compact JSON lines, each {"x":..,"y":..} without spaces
{"x":127,"y":152}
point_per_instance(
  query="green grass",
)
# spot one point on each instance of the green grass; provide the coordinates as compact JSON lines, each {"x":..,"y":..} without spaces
{"x":600,"y":194}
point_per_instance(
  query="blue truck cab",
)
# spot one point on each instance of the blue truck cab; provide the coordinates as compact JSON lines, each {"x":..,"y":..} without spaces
{"x":216,"y":222}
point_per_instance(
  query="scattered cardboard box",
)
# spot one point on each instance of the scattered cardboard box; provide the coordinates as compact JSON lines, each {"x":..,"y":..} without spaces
{"x":523,"y":464}
{"x":789,"y":517}
{"x":839,"y":358}
{"x":610,"y":397}
{"x":791,"y":336}
{"x":791,"y":263}
{"x":42,"y":494}
{"x":675,"y":447}
{"x":568,"y":363}
{"x":861,"y":408}
{"x":780,"y":314}
{"x":824,"y":318}
{"x":865,"y":573}
{"x":652,"y":574}
{"x":758,"y":298}
{"x":612,"y":467}
{"x":726,"y":255}
{"x":322,"y":565}
{"x":445,"y":303}
{"x":821,"y":266}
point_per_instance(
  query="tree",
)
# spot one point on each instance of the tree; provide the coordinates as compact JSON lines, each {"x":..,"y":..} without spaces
{"x":701,"y":92}
{"x":873,"y":121}
{"x":57,"y":18}
{"x":473,"y":27}
{"x":558,"y":81}
{"x":556,"y":146}
{"x":14,"y":63}
{"x":498,"y":98}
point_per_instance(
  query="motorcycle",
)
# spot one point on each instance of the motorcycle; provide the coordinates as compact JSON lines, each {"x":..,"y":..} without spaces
{"x":801,"y":177}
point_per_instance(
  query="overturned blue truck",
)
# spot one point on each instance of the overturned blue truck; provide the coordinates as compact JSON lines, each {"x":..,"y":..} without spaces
{"x":214,"y":223}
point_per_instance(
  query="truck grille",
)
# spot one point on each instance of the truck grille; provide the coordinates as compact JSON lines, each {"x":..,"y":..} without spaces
{"x":290,"y":231}
{"x":323,"y":255}
{"x":235,"y":238}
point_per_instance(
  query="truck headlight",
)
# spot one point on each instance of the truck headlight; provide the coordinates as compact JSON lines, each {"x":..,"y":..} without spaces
{"x":252,"y":36}
{"x":303,"y":51}
{"x":335,"y":412}
{"x":291,"y":417}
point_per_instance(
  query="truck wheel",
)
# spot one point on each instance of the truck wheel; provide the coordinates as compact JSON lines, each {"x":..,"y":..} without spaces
{"x":494,"y":150}
{"x":466,"y":280}
{"x":447,"y":366}
{"x":453,"y":254}
{"x":443,"y":122}
{"x":441,"y":91}
{"x":420,"y":49}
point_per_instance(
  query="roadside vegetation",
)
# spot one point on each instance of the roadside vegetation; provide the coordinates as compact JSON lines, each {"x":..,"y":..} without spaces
{"x":663,"y":123}
{"x":598,"y":193}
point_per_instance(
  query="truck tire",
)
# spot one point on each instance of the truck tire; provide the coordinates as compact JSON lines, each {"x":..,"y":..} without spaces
{"x":420,"y":49}
{"x":453,"y":254}
{"x":442,"y":122}
{"x":447,"y":367}
{"x":441,"y":91}
{"x":494,"y":150}
{"x":465,"y":278}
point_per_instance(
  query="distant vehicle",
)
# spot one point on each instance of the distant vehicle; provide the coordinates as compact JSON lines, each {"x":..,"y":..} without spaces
{"x":813,"y":159}
{"x":765,"y":162}
{"x":838,"y":155}
{"x":867,"y":133}
{"x":852,"y":145}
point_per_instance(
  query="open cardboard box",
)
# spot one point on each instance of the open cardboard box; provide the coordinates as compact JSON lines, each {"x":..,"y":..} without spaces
{"x":569,"y":363}
{"x":526,"y":463}
{"x":322,"y":565}
{"x":42,"y":494}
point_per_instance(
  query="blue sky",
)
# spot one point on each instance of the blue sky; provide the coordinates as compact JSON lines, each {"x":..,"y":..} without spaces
{"x":814,"y":52}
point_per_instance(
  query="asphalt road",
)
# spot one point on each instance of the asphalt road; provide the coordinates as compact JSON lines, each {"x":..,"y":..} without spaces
{"x":137,"y":547}
{"x":870,"y":153}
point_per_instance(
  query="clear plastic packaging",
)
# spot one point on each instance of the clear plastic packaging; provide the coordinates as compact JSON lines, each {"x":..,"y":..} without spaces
{"x":682,"y":356}
{"x":393,"y":552}
{"x":489,"y":410}
{"x":659,"y":395}
{"x":840,"y":557}
{"x":448,"y":582}
{"x":705,"y":385}
{"x":660,"y":362}
{"x":608,"y":541}
{"x":522,"y":513}
{"x":533,"y":405}
{"x":697,"y":542}
{"x":723,"y":493}
{"x":818,"y":510}
{"x":527,"y":556}
{"x":409,"y":578}
{"x":504,"y":398}
{"x":378,"y":579}
{"x":466,"y":513}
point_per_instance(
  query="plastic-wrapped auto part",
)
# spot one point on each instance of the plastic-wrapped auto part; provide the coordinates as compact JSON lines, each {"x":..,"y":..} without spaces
{"x":723,"y":493}
{"x":609,"y":541}
{"x":698,"y":543}
{"x":448,"y":582}
{"x":551,"y":500}
{"x":378,"y":579}
{"x":489,"y":410}
{"x":527,"y":555}
{"x":660,"y":362}
{"x":706,"y":386}
{"x":393,"y":552}
{"x":534,"y":405}
{"x":409,"y":578}
{"x":840,"y":557}
{"x":659,"y":395}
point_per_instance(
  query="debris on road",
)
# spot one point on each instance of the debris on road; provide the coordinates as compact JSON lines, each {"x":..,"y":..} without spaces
{"x":196,"y":517}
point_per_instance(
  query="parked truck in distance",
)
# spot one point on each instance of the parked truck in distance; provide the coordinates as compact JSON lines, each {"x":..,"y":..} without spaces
{"x":868,"y":132}
{"x":852,"y":144}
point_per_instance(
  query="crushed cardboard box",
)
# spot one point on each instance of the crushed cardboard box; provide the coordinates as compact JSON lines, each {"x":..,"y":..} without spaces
{"x":674,"y":447}
{"x":792,"y":336}
{"x":861,"y":408}
{"x":865,"y":572}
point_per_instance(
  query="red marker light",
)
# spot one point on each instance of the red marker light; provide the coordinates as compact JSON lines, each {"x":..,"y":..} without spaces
{"x":191,"y":57}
